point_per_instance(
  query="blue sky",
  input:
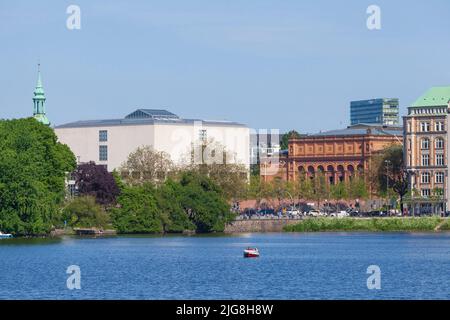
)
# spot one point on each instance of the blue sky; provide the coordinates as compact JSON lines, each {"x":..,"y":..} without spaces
{"x":269,"y":64}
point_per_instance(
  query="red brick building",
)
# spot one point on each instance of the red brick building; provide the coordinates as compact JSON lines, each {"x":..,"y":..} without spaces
{"x":339,"y":154}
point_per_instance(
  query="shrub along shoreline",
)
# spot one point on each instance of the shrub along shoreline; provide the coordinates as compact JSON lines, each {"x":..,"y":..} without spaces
{"x":426,"y":224}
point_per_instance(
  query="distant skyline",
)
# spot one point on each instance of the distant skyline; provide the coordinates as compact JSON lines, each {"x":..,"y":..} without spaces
{"x":268,"y":64}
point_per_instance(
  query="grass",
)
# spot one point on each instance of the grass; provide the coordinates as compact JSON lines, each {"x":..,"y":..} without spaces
{"x":445,"y":226}
{"x":370,"y":224}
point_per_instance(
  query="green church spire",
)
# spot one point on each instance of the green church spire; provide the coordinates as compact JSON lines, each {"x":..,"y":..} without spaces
{"x":39,"y":101}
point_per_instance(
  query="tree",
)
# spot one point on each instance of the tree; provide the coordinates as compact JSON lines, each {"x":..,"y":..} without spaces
{"x":137,"y":211}
{"x":170,"y":202}
{"x":385,"y":166}
{"x":390,"y":171}
{"x":338,"y":191}
{"x":258,"y":189}
{"x":357,"y":188}
{"x":33,"y":169}
{"x":285,"y":138}
{"x":146,"y":165}
{"x":203,"y":202}
{"x":278,"y":189}
{"x":305,"y":187}
{"x":211,"y":159}
{"x":401,"y":185}
{"x":85,"y":212}
{"x":193,"y":202}
{"x":320,"y":187}
{"x":96,"y":181}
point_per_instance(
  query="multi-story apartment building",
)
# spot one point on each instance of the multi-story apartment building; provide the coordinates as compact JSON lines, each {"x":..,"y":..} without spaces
{"x":375,"y":111}
{"x":425,"y":150}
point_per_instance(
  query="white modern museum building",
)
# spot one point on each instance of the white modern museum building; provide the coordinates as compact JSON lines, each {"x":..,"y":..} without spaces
{"x":109,"y":142}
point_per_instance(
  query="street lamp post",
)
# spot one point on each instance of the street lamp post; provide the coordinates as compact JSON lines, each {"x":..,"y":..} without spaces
{"x":292,"y":199}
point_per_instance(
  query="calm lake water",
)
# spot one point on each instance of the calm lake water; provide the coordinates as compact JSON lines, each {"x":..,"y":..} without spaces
{"x":291,"y":266}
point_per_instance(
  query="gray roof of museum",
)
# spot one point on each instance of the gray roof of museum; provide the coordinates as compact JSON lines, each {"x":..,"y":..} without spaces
{"x":362,"y":129}
{"x":145,"y":117}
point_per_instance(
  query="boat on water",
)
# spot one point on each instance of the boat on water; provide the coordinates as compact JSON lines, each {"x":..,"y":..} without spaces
{"x":5,"y":235}
{"x":251,"y":253}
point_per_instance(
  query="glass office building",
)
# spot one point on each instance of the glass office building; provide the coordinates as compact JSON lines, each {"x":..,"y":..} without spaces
{"x":381,"y":111}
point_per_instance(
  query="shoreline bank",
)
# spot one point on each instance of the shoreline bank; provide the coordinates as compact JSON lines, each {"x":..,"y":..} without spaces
{"x":387,"y":224}
{"x":325,"y":224}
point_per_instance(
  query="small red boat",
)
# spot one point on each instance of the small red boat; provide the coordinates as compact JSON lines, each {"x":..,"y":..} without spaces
{"x":251,"y":253}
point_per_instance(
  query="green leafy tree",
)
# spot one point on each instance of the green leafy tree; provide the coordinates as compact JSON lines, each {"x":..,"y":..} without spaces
{"x":33,"y":169}
{"x":204,"y":203}
{"x":386,"y":166}
{"x":84,"y":212}
{"x":169,"y":201}
{"x":305,"y":187}
{"x":137,"y":211}
{"x":285,"y":138}
{"x":338,"y":191}
{"x":190,"y":202}
{"x":357,"y":188}
{"x":211,"y":159}
{"x":320,"y":187}
{"x":278,"y":189}
{"x":391,"y":172}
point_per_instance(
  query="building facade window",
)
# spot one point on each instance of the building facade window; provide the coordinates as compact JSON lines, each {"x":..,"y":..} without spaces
{"x":425,"y":144}
{"x":439,"y":126}
{"x":203,"y":135}
{"x":425,"y":193}
{"x":439,"y":177}
{"x":425,"y":177}
{"x":103,"y":135}
{"x":103,"y":153}
{"x":439,"y":143}
{"x":439,"y":159}
{"x":424,"y":126}
{"x":425,"y":160}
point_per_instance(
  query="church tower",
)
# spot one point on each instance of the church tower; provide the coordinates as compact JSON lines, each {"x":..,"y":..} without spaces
{"x":39,"y":101}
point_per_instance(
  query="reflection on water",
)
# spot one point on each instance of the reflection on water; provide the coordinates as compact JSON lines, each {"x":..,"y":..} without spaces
{"x":29,"y":241}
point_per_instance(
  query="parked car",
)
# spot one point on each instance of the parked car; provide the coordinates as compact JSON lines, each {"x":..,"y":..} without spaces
{"x":355,"y":213}
{"x":266,"y":211}
{"x":293,"y":212}
{"x":316,"y":213}
{"x":377,"y":213}
{"x":340,"y":214}
{"x":249,"y":212}
{"x":394,"y":212}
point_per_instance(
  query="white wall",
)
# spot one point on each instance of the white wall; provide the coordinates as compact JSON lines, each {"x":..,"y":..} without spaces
{"x":177,"y":139}
{"x":122,"y":140}
{"x":174,"y":138}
